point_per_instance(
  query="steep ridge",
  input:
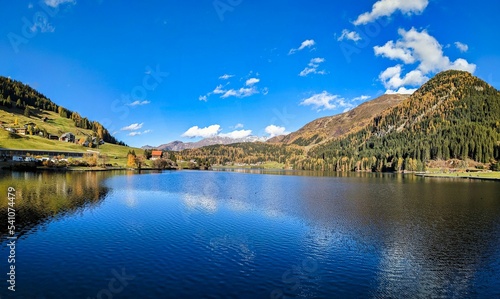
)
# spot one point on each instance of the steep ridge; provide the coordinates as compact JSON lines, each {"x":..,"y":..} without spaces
{"x":454,"y":115}
{"x":326,"y":128}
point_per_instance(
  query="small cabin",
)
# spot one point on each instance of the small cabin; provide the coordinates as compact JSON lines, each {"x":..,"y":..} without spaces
{"x":155,"y":155}
{"x":94,"y":141}
{"x":67,"y":137}
{"x":21,"y":131}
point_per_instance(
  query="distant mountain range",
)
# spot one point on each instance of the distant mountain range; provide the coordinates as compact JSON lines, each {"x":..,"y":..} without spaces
{"x":316,"y":132}
{"x":454,"y":116}
{"x":180,"y":146}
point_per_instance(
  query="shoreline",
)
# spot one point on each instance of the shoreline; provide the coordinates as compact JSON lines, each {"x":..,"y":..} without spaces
{"x":75,"y":169}
{"x":485,"y":176}
{"x":470,"y":176}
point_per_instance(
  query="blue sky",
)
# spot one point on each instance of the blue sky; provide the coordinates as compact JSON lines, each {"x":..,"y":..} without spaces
{"x":158,"y":71}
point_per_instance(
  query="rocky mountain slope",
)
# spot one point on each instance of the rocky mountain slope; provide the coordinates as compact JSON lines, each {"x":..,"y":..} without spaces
{"x":331,"y":127}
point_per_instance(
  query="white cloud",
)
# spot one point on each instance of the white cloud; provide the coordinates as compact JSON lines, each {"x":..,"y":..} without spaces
{"x":206,"y":132}
{"x":56,"y":3}
{"x":390,"y":72}
{"x":395,"y":51}
{"x":384,"y":8}
{"x":219,"y":90}
{"x":350,"y":35}
{"x":391,"y":77}
{"x":462,"y":47}
{"x":252,"y":81}
{"x":274,"y":131}
{"x":139,"y":103}
{"x":133,"y":127}
{"x":401,"y":90}
{"x":226,"y":77}
{"x":361,"y":98}
{"x":215,"y":130}
{"x":317,"y":60}
{"x":324,"y":101}
{"x":305,"y":72}
{"x":427,"y":50}
{"x":462,"y":65}
{"x":240,"y":93}
{"x":305,"y":44}
{"x":312,"y":67}
{"x":42,"y":24}
{"x":136,"y":133}
{"x":249,"y":89}
{"x":237,"y":134}
{"x":344,"y":104}
{"x":416,"y":47}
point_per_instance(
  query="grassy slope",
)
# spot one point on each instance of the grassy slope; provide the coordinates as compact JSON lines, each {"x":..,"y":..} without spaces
{"x":57,"y":126}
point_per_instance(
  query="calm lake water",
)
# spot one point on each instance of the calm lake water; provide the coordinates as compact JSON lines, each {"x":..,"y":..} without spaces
{"x":246,"y":235}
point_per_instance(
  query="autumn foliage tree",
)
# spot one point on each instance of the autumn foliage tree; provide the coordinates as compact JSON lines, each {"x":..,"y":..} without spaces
{"x":131,"y":159}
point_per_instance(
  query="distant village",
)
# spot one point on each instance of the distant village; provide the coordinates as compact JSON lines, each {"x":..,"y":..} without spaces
{"x":60,"y":158}
{"x":32,"y":155}
{"x":66,"y":137}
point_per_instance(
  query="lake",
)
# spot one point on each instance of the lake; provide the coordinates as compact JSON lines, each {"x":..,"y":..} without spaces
{"x":250,"y":234}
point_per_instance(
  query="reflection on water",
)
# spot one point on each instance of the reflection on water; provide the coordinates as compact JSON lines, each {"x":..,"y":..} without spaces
{"x":192,"y":234}
{"x":43,"y":196}
{"x":394,"y":234}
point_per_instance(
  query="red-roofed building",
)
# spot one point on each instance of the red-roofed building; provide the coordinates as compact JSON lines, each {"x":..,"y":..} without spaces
{"x":155,"y":155}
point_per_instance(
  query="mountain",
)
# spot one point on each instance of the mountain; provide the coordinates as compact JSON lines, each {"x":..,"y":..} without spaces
{"x":455,"y":115}
{"x":315,"y":132}
{"x":180,"y":146}
{"x":331,"y":127}
{"x":172,"y":146}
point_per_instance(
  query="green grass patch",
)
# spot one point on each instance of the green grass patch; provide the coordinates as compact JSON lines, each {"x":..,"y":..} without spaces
{"x":56,"y":125}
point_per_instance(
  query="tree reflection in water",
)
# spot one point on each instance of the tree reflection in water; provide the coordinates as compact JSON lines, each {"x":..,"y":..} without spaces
{"x":42,"y":197}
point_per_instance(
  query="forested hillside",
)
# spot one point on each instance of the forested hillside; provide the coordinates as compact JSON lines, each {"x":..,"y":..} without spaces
{"x":14,"y":94}
{"x":453,"y":116}
{"x":249,"y":153}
